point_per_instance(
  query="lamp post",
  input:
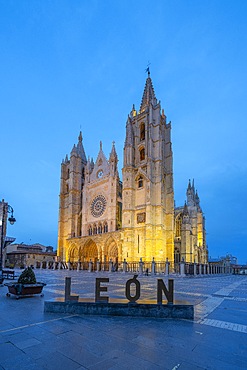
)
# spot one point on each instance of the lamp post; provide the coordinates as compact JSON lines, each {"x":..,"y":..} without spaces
{"x":5,"y":210}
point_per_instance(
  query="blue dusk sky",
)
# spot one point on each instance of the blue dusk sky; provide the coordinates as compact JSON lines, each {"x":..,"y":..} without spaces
{"x":70,"y":65}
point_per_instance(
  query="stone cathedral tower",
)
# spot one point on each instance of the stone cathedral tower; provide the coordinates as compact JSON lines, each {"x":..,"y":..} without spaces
{"x":102,"y":219}
{"x":148,"y":196}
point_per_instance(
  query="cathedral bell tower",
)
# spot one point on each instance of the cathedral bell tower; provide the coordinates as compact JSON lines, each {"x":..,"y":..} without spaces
{"x":148,"y":196}
{"x":70,"y":202}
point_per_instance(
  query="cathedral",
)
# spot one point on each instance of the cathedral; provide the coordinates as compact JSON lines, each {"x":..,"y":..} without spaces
{"x":102,"y":218}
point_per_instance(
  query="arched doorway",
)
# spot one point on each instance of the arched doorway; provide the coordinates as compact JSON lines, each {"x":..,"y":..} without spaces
{"x":89,"y":252}
{"x":111,"y":252}
{"x":73,"y":254}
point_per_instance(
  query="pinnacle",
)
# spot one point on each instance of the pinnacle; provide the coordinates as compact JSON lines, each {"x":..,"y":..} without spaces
{"x":148,"y":95}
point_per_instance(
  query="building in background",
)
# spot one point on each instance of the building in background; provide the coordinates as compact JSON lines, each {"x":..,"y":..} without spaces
{"x":23,"y":255}
{"x":102,"y":218}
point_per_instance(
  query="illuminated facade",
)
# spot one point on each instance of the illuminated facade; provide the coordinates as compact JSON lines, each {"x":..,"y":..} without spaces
{"x":102,"y":218}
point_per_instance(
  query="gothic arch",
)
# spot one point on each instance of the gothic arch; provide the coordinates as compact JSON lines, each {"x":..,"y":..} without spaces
{"x":111,"y":250}
{"x":178,"y":224}
{"x":142,"y":153}
{"x":177,"y":255}
{"x":89,"y":252}
{"x":142,"y":131}
{"x":73,"y":253}
{"x":140,"y":182}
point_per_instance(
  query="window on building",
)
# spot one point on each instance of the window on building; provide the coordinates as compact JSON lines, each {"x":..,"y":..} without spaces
{"x":100,"y":229}
{"x":142,"y":154}
{"x":79,"y":226}
{"x":178,"y":224}
{"x":176,"y":256}
{"x":105,"y":227}
{"x":94,"y":229}
{"x":142,"y":132}
{"x":140,"y":182}
{"x":90,"y":230}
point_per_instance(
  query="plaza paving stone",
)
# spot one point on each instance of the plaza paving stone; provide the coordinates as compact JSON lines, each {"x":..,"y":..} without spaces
{"x":216,"y":339}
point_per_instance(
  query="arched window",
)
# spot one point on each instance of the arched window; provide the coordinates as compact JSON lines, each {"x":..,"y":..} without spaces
{"x":105,"y":227}
{"x":178,"y":226}
{"x":142,"y":154}
{"x":68,"y":174}
{"x":140,"y":182}
{"x":79,"y":226}
{"x":94,"y":229}
{"x":100,"y":229}
{"x":176,"y":256}
{"x":90,"y":231}
{"x":142,"y":132}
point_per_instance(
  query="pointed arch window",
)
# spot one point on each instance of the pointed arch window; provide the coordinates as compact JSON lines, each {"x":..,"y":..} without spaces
{"x":94,"y":229}
{"x":100,"y":229}
{"x":142,"y":132}
{"x":177,"y":256}
{"x":79,"y":226}
{"x":90,"y":230}
{"x":178,"y":224}
{"x":142,"y":154}
{"x":105,"y":227}
{"x":140,"y":182}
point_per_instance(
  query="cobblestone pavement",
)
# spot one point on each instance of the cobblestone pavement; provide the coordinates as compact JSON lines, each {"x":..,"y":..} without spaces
{"x":216,"y":339}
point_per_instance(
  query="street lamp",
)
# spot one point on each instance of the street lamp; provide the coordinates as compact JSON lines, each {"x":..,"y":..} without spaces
{"x":5,"y":209}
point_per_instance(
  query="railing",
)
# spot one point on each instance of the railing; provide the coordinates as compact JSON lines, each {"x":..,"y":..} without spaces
{"x":142,"y":267}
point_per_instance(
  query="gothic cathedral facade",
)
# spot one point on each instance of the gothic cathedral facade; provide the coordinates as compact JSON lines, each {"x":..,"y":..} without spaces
{"x":103,"y":219}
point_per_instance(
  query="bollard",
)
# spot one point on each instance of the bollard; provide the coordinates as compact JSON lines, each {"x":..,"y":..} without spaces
{"x":111,"y":266}
{"x":182,"y":264}
{"x":167,"y":267}
{"x":141,"y":266}
{"x":98,"y":265}
{"x":153,"y":267}
{"x":194,"y":269}
{"x":124,"y":266}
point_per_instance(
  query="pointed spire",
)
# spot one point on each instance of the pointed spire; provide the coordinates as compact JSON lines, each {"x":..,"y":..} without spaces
{"x":100,"y":145}
{"x":74,"y":151}
{"x":185,"y":210}
{"x":113,"y":154}
{"x":148,"y":94}
{"x":185,"y":214}
{"x":80,"y":137}
{"x":80,"y":148}
{"x":197,"y":199}
{"x":189,"y":185}
{"x":193,"y":185}
{"x":88,"y":168}
{"x":129,"y":139}
{"x":133,"y":112}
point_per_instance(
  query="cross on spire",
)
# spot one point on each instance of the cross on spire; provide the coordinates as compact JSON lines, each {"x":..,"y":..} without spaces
{"x":148,"y":69}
